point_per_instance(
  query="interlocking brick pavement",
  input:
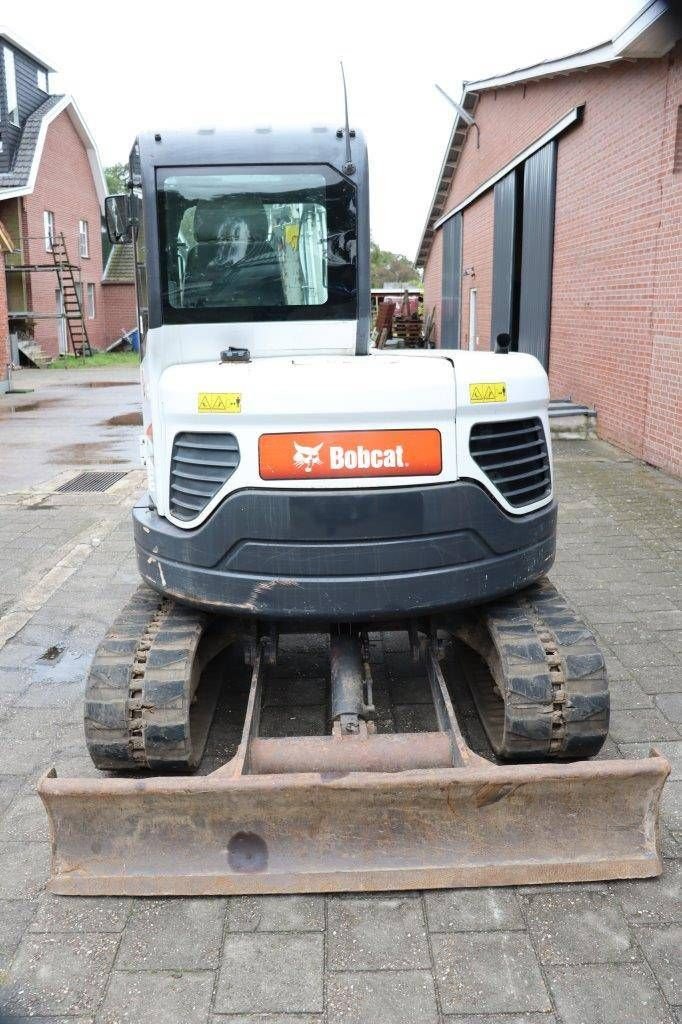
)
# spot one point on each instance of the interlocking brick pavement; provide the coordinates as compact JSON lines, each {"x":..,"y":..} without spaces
{"x":589,"y":954}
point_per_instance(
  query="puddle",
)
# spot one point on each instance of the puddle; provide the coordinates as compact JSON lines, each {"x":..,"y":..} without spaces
{"x":64,"y":667}
{"x":126,"y":419}
{"x":106,"y":384}
{"x":41,"y":403}
{"x":85,"y":452}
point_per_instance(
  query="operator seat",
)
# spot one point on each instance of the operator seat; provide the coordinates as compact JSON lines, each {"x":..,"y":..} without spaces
{"x":218,"y":273}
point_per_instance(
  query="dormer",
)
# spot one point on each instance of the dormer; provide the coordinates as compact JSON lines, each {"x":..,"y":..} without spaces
{"x":24,"y":87}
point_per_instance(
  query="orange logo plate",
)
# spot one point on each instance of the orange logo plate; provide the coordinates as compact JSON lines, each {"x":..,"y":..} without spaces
{"x":328,"y":455}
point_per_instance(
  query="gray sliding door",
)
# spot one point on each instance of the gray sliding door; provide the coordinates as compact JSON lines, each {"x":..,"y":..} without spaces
{"x":539,"y":186}
{"x":452,"y":282}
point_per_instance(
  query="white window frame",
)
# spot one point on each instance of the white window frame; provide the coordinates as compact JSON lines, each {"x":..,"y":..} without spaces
{"x":49,"y":231}
{"x":84,"y":239}
{"x":11,"y":87}
{"x":41,"y":80}
{"x":92,"y":308}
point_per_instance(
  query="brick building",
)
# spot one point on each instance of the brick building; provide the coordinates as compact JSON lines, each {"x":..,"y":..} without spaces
{"x":51,"y":184}
{"x":557,"y":219}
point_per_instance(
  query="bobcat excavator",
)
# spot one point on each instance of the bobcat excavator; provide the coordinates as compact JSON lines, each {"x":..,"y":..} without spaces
{"x":301,"y":481}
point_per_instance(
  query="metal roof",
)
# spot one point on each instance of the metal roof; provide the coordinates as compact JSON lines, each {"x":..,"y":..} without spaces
{"x":19,"y":176}
{"x":20,"y":181}
{"x":652,"y":33}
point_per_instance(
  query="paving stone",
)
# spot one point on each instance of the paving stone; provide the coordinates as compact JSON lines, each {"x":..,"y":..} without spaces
{"x":662,"y":948}
{"x":153,"y":997}
{"x":170,"y":934}
{"x":488,"y":972}
{"x":268,"y":973}
{"x":473,"y":910}
{"x":656,"y":901}
{"x":660,"y":680}
{"x":578,"y":926}
{"x":671,"y":806}
{"x":15,"y":917}
{"x":672,"y":751}
{"x":276,"y":914}
{"x":384,"y":997}
{"x":376,"y":934}
{"x":504,"y":1018}
{"x":265,"y":1018}
{"x":626,"y":693}
{"x":24,"y":868}
{"x":671,"y":705}
{"x":9,"y":787}
{"x":47,"y":1020}
{"x":26,"y":820}
{"x":59,"y":974}
{"x":80,"y":914}
{"x":619,"y":994}
{"x":632,"y":725}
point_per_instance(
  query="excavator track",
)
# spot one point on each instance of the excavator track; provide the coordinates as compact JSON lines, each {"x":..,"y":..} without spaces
{"x":537,"y":677}
{"x":144,"y":708}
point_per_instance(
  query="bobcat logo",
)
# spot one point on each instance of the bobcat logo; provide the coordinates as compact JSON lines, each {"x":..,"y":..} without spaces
{"x":306,"y":458}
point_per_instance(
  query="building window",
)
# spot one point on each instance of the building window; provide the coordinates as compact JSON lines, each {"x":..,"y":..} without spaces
{"x":83,"y":239}
{"x":48,"y":230}
{"x":91,"y":302}
{"x":11,"y":87}
{"x":41,"y":79}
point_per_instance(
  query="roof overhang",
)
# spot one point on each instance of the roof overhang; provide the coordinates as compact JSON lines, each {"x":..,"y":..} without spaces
{"x":652,"y":33}
{"x":68,"y":105}
{"x":15,"y":42}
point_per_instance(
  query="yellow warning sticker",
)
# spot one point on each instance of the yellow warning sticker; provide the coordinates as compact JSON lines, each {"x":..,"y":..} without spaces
{"x":219,"y":401}
{"x":488,"y":392}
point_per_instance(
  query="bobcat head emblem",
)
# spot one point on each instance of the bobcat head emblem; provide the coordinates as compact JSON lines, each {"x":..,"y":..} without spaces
{"x":305,"y":458}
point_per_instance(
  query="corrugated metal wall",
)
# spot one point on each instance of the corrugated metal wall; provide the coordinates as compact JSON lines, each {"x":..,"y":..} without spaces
{"x":452,"y":282}
{"x":504,"y":243}
{"x":539,"y":186}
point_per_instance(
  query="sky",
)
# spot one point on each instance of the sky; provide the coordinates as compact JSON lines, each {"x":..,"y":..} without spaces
{"x":168,"y":64}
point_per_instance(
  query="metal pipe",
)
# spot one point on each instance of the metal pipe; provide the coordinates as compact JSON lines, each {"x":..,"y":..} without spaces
{"x":347,"y":676}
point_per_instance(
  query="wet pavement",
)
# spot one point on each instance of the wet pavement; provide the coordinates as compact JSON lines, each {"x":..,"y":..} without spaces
{"x":68,"y":421}
{"x":587,"y":954}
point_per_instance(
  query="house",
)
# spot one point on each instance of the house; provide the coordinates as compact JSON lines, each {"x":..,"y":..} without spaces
{"x":51,"y":186}
{"x":557,"y":219}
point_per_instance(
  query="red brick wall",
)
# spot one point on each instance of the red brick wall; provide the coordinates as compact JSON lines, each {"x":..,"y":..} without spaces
{"x":120,"y":309}
{"x":617,"y":279}
{"x":477,"y":254}
{"x":65,"y":186}
{"x":433,"y":280}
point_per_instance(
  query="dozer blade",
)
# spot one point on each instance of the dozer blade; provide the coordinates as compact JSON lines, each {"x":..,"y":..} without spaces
{"x":368,"y":812}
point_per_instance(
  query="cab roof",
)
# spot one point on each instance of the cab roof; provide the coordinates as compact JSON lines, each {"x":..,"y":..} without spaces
{"x":209,"y":146}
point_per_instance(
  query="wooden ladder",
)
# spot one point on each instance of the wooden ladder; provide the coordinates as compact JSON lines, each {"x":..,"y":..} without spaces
{"x":72,"y":301}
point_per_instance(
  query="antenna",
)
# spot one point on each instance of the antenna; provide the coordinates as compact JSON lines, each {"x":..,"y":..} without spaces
{"x":464,"y":114}
{"x":349,"y":166}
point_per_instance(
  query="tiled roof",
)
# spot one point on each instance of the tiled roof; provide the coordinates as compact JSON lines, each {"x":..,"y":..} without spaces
{"x":120,"y":268}
{"x":23,"y":161}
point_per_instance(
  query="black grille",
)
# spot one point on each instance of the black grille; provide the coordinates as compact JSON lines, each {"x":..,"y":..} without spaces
{"x":200,"y":465}
{"x":97,"y":480}
{"x":514,"y":457}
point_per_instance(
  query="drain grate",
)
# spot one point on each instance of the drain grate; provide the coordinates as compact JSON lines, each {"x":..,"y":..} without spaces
{"x":94,"y":481}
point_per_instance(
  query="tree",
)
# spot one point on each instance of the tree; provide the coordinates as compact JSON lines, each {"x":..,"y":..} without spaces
{"x":116,"y":176}
{"x":388,"y":267}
